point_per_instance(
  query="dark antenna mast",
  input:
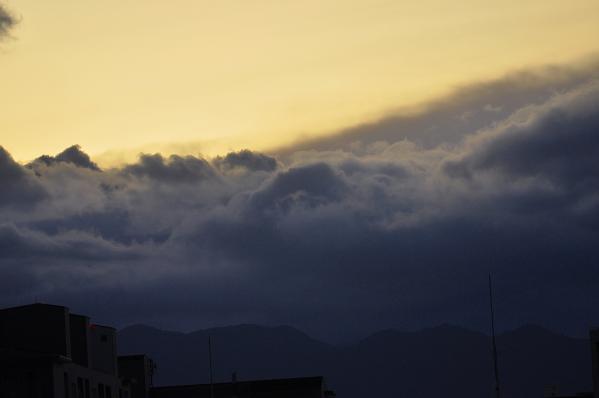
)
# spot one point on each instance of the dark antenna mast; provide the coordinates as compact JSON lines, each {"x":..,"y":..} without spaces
{"x":210,"y":360}
{"x":495,"y":368}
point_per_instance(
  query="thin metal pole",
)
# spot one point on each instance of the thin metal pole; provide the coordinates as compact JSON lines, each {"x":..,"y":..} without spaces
{"x":210,"y":360}
{"x":495,"y":368}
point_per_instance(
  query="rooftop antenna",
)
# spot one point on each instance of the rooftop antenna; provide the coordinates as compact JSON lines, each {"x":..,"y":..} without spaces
{"x":495,"y":368}
{"x":210,"y":363}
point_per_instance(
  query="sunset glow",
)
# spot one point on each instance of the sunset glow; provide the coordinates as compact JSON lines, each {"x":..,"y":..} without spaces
{"x":207,"y":77}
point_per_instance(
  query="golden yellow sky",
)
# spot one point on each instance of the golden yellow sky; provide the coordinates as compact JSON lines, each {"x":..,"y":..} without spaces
{"x":129,"y":74}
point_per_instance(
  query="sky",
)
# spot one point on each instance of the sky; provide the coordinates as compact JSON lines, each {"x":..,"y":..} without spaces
{"x":122,"y":77}
{"x":340,"y":167}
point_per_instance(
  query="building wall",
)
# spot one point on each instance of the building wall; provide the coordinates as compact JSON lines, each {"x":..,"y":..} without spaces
{"x":137,"y":371}
{"x":74,"y":381}
{"x":79,"y":327}
{"x":38,"y":327}
{"x":26,"y":380}
{"x":103,"y":350}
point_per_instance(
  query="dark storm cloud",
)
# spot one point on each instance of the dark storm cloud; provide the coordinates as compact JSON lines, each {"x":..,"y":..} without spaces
{"x":461,"y":113}
{"x":7,"y":21}
{"x":338,"y":241}
{"x":546,"y":158}
{"x":72,"y":155}
{"x":310,"y":185}
{"x":557,"y":141}
{"x":246,"y":159}
{"x":76,"y":156}
{"x":19,"y":187}
{"x":16,"y":242}
{"x":174,"y":169}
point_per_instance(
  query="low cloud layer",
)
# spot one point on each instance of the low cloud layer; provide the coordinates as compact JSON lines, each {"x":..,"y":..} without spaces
{"x":337,"y":241}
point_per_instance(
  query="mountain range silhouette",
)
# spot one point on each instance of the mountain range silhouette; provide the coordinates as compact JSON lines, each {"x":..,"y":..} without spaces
{"x":445,"y":361}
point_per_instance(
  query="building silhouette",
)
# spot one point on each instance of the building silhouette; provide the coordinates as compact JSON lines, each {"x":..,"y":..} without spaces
{"x":301,"y":387}
{"x":594,"y":336}
{"x":48,"y":352}
{"x":45,"y":351}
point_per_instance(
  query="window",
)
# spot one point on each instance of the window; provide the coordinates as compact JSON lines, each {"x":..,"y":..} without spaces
{"x":80,"y":387}
{"x":104,"y":338}
{"x":101,"y":391}
{"x":108,"y":392}
{"x":86,"y":388}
